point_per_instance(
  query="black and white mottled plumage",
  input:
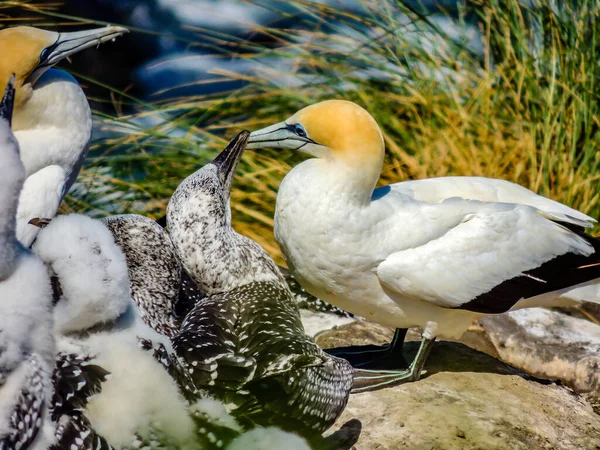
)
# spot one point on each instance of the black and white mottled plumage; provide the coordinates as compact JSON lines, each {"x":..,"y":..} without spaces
{"x":244,"y":343}
{"x":29,"y":406}
{"x":75,"y":379}
{"x":154,"y":269}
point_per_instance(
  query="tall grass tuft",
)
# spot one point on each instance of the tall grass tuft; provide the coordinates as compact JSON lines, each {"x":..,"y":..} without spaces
{"x":502,"y":89}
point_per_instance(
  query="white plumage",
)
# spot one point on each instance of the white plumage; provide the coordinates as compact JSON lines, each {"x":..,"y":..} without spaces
{"x":91,"y":269}
{"x":26,"y":341}
{"x":432,"y":253}
{"x":54,"y":129}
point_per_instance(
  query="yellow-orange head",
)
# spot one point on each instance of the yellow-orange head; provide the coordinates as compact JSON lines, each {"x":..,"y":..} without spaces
{"x":332,"y":129}
{"x":28,"y":52}
{"x":21,"y":49}
{"x":337,"y":131}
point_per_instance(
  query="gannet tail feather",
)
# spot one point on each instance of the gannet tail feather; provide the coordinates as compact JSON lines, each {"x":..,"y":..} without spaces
{"x":563,"y":273}
{"x":300,"y":383}
{"x":501,"y":254}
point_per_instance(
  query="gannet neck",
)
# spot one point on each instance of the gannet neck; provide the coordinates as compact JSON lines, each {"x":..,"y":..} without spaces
{"x":54,"y":127}
{"x":351,"y":184}
{"x":199,"y":220}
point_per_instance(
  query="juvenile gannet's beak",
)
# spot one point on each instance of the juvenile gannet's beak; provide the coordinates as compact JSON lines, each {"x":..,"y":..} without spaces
{"x":228,"y":159}
{"x":280,"y":135}
{"x":69,"y":43}
{"x":39,"y":222}
{"x":8,"y":101}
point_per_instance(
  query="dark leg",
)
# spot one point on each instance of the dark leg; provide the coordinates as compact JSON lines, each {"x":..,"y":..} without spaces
{"x":382,"y":357}
{"x":372,"y":380}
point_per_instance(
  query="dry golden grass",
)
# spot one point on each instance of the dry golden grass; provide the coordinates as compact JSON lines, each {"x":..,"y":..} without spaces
{"x":524,"y":109}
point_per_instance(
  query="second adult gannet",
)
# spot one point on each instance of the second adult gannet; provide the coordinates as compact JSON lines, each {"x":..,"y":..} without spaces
{"x":244,"y":342}
{"x":434,"y":253}
{"x":52,"y":118}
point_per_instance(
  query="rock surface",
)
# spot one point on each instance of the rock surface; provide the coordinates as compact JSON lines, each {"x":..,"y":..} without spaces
{"x":465,"y":400}
{"x":548,"y":344}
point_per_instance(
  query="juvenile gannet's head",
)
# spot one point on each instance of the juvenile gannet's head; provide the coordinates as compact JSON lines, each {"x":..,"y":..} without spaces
{"x":333,"y":129}
{"x":211,"y":185}
{"x":28,"y":52}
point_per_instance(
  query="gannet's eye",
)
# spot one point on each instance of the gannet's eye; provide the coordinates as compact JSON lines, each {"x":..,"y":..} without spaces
{"x":44,"y":53}
{"x":300,"y":131}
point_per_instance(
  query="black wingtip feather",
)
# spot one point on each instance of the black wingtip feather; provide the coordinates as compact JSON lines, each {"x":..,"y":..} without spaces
{"x":562,"y":272}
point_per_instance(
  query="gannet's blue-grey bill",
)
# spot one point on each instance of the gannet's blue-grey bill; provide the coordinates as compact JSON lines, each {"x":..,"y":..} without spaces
{"x":280,"y":135}
{"x":228,"y":159}
{"x":8,"y":100}
{"x":69,"y":43}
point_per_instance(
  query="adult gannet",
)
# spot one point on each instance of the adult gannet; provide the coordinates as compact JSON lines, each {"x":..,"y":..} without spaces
{"x":244,"y":342}
{"x":434,"y":253}
{"x":52,"y":118}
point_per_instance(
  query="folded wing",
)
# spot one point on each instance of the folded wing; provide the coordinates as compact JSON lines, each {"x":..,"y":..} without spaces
{"x":488,"y":261}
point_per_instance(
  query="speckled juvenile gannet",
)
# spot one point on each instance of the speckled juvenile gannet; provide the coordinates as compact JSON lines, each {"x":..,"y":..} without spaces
{"x":26,"y":342}
{"x":244,"y":343}
{"x":52,"y":118}
{"x":95,"y":315}
{"x":434,"y":253}
{"x":155,"y":273}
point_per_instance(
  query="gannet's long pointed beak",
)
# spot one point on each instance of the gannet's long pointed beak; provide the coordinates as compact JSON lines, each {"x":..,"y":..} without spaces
{"x":73,"y":42}
{"x":228,"y":159}
{"x":8,"y":101}
{"x":280,"y":135}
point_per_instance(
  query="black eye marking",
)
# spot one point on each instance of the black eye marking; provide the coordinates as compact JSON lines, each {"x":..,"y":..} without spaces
{"x":299,"y":130}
